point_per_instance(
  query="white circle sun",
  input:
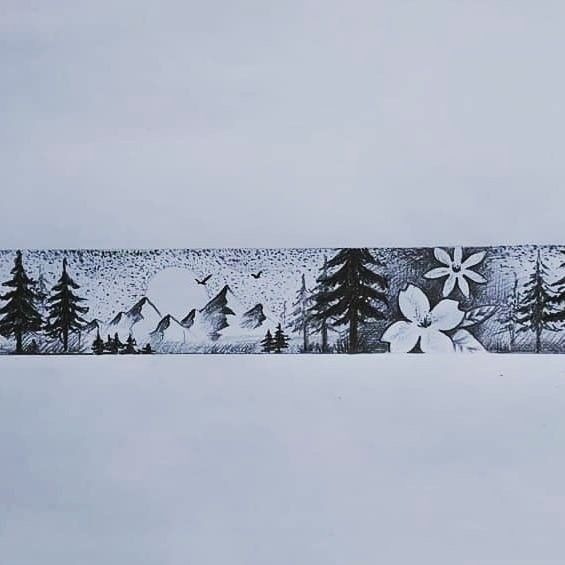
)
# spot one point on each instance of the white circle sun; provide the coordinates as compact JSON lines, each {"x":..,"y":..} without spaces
{"x":175,"y":291}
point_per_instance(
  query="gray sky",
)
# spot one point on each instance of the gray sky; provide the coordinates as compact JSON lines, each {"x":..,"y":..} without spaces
{"x":187,"y":123}
{"x":216,"y":124}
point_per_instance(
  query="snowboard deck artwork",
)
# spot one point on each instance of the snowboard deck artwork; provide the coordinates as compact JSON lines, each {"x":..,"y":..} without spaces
{"x":506,"y":299}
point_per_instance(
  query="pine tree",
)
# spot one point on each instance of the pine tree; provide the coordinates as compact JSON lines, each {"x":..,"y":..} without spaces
{"x":147,"y":349}
{"x":268,"y":343}
{"x":117,"y":344}
{"x":280,"y":340}
{"x":352,"y":293}
{"x":109,"y":345}
{"x":65,"y":309}
{"x":318,"y":316}
{"x":534,"y":311}
{"x":113,"y":344}
{"x":98,"y":344}
{"x":300,"y":321}
{"x":130,"y":345}
{"x":19,"y":314}
{"x":558,"y":300}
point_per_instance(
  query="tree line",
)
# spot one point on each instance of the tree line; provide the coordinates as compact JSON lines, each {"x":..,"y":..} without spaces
{"x":113,"y":345}
{"x":30,"y":308}
{"x":351,"y":290}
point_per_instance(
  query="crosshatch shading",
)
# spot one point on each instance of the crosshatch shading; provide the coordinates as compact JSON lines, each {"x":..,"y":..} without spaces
{"x":506,"y":299}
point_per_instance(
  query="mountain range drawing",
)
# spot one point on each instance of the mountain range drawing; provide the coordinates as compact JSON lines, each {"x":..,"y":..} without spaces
{"x":505,"y":299}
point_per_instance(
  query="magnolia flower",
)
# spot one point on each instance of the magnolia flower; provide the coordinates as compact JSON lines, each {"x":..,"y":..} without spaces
{"x":456,"y":270}
{"x":424,"y":324}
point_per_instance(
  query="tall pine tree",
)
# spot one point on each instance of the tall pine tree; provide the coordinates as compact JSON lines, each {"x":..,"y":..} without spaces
{"x":318,"y":306}
{"x":355,"y":293}
{"x":301,"y":317}
{"x":558,"y":301}
{"x":65,"y":309}
{"x":19,"y":314}
{"x":534,"y":311}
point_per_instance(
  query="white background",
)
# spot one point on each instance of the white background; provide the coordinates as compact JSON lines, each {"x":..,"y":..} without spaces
{"x":185,"y":124}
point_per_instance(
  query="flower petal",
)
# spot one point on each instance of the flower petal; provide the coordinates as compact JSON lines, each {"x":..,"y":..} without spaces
{"x":449,"y":284}
{"x":466,"y":342}
{"x":457,"y":255}
{"x":473,"y":259}
{"x":402,"y":336}
{"x":413,"y":304}
{"x":446,"y":315}
{"x":437,"y":273}
{"x":433,"y":341}
{"x":475,"y":277}
{"x":463,"y":285}
{"x":442,"y":256}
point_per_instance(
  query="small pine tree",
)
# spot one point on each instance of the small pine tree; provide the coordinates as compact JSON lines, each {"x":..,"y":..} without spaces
{"x":65,"y":309}
{"x":354,"y":293}
{"x":118,"y":345}
{"x":113,"y":344}
{"x":268,"y":343}
{"x":147,"y":349}
{"x":534,"y":310}
{"x":98,"y":344}
{"x":20,"y":315}
{"x":280,"y":340}
{"x":300,"y":322}
{"x":130,"y":345}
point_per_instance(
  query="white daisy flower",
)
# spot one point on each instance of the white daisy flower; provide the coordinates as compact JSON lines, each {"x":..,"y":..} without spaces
{"x":456,"y":270}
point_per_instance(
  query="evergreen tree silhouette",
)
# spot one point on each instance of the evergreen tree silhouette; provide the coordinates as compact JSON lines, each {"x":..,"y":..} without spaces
{"x":130,"y":345}
{"x":268,"y":343}
{"x":118,"y":345}
{"x":301,"y":316}
{"x":280,"y":340}
{"x":558,"y":300}
{"x":98,"y":344}
{"x":318,"y":307}
{"x":113,"y":344}
{"x":65,"y":309}
{"x":352,"y":293}
{"x":147,"y":349}
{"x":534,"y":311}
{"x":19,"y":314}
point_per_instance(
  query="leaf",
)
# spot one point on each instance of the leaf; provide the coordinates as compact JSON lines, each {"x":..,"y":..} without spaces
{"x":477,"y":315}
{"x":465,"y":342}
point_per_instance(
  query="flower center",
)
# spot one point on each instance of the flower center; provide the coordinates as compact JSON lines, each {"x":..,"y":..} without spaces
{"x":426,"y":322}
{"x":456,"y":267}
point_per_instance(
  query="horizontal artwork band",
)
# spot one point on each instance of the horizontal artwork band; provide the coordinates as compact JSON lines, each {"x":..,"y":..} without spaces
{"x":506,"y":299}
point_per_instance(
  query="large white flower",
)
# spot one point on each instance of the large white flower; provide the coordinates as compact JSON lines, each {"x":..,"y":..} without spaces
{"x":423,"y":324}
{"x":456,"y":270}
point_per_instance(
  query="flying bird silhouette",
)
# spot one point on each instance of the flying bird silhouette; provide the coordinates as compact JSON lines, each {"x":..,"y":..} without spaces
{"x":256,"y":275}
{"x":204,"y":280}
